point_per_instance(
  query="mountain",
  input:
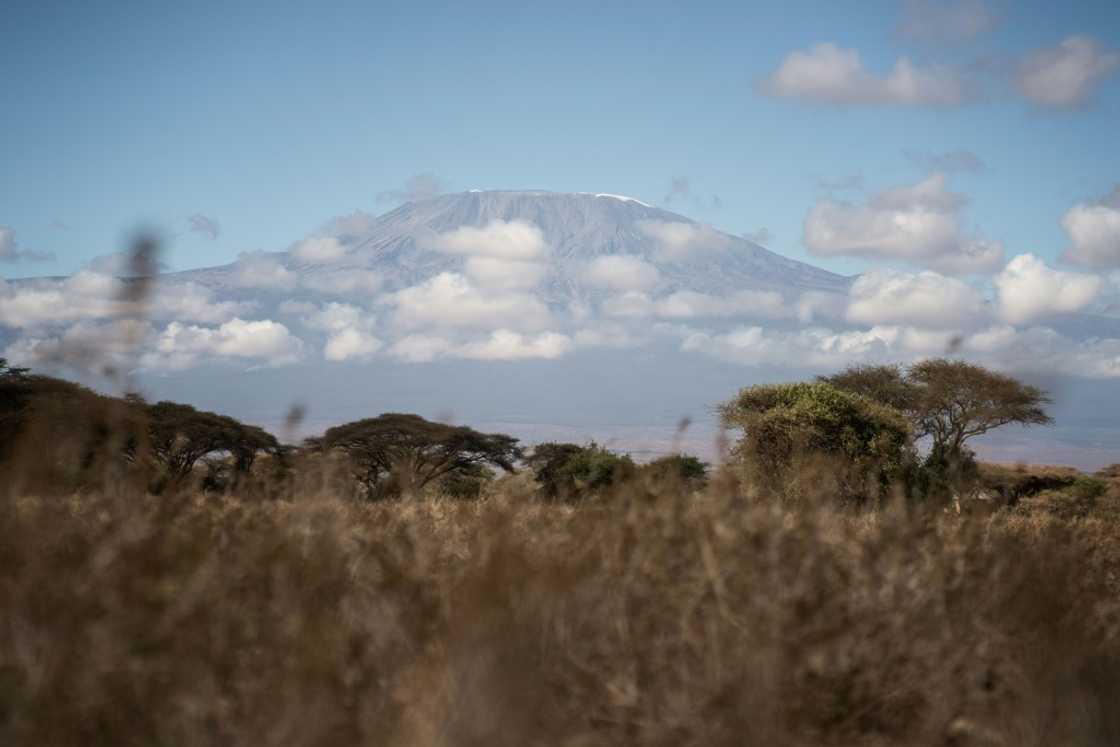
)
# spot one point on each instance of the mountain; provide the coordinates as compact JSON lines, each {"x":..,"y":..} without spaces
{"x":576,"y":229}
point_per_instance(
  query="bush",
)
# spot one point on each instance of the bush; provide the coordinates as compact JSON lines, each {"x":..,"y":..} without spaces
{"x":808,"y":438}
{"x":572,"y":472}
{"x":682,"y":468}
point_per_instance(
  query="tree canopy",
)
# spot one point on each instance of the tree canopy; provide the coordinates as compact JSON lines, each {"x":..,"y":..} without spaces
{"x":789,"y":427}
{"x":567,"y":471}
{"x":180,"y":435}
{"x":948,"y":401}
{"x":403,"y":452}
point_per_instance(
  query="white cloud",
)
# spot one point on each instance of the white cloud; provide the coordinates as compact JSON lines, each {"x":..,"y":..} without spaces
{"x":190,"y":301}
{"x":1029,"y":290}
{"x":350,"y":343}
{"x":504,"y":344}
{"x":813,"y":305}
{"x":807,"y":348}
{"x":1094,"y":230}
{"x":512,"y":240}
{"x":181,"y":346}
{"x":493,"y":272}
{"x":258,"y":270}
{"x":84,"y":295}
{"x":924,"y":299}
{"x":349,"y":328}
{"x":320,"y":250}
{"x":11,"y":251}
{"x":632,"y":304}
{"x":1066,"y":75}
{"x":1036,"y":349}
{"x":86,"y":345}
{"x":621,"y":273}
{"x":89,"y":295}
{"x":678,"y":240}
{"x":451,"y":300}
{"x":690,"y":305}
{"x":946,"y":20}
{"x":420,"y":348}
{"x":919,"y":223}
{"x":500,"y":344}
{"x":830,"y":74}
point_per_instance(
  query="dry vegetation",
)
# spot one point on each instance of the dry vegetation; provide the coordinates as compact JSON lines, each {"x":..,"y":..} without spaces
{"x":654,"y":615}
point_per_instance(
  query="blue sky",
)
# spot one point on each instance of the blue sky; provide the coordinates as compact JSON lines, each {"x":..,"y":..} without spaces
{"x":270,"y":118}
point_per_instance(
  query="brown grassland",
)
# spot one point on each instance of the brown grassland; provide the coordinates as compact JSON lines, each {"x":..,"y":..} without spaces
{"x":656,"y":614}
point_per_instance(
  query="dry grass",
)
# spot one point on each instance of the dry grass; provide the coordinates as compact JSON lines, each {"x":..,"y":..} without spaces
{"x":658,"y":617}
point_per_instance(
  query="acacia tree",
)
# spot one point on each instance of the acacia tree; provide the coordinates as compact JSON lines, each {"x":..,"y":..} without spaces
{"x":179,"y":436}
{"x":397,"y":451}
{"x":948,"y":401}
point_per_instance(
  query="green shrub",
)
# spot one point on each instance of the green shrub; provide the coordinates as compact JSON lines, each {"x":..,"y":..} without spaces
{"x":683,"y":468}
{"x":571,"y":472}
{"x":808,"y":438}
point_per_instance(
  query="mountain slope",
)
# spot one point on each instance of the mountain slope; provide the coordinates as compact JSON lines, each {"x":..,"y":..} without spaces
{"x":577,"y":228}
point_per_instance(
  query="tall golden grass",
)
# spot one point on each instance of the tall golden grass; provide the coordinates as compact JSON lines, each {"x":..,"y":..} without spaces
{"x":657,"y":615}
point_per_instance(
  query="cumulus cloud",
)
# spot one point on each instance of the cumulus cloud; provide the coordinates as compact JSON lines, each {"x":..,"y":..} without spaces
{"x":815,"y":347}
{"x":420,"y":348}
{"x":500,"y":255}
{"x":621,"y":273}
{"x":190,"y":301}
{"x":199,"y":223}
{"x":511,"y":240}
{"x":1029,"y":290}
{"x":349,"y":329}
{"x":1035,"y":349}
{"x":822,"y":305}
{"x":451,"y":300}
{"x":679,"y":240}
{"x":1094,"y":232}
{"x":87,"y":345}
{"x":632,"y":304}
{"x":691,"y":305}
{"x":946,"y":20}
{"x":501,"y":344}
{"x":259,"y":270}
{"x":834,"y":75}
{"x":1067,"y":75}
{"x":322,"y":250}
{"x":920,"y":223}
{"x":419,"y":187}
{"x":11,"y":251}
{"x":924,"y":299}
{"x":180,"y":346}
{"x":84,"y":295}
{"x":90,"y":296}
{"x":504,"y":344}
{"x":504,"y":274}
{"x":350,"y":343}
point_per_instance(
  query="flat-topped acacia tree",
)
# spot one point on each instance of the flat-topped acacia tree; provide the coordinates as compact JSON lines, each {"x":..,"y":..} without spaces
{"x":404,"y":452}
{"x":948,"y":401}
{"x":179,"y":436}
